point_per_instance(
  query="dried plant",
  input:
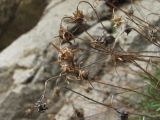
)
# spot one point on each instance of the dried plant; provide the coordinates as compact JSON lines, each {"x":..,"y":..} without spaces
{"x":107,"y":46}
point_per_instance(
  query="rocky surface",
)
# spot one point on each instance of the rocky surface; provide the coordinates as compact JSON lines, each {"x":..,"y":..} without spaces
{"x":29,"y":61}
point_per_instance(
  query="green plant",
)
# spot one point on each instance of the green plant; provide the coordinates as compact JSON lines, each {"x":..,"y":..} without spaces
{"x":152,"y":89}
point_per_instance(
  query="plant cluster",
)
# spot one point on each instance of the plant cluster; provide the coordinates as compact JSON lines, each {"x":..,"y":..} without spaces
{"x":107,"y":45}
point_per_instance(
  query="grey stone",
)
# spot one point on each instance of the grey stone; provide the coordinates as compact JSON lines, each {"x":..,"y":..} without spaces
{"x":21,"y":76}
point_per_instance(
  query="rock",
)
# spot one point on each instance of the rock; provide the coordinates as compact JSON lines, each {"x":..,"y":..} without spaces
{"x":20,"y":105}
{"x":22,"y":76}
{"x":103,"y":11}
{"x":28,"y":61}
{"x":5,"y":80}
{"x":135,"y":41}
{"x":45,"y":30}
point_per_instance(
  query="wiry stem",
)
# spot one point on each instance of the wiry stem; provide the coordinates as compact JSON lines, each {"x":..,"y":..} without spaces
{"x":109,"y":106}
{"x":127,"y":90}
{"x":93,"y":10}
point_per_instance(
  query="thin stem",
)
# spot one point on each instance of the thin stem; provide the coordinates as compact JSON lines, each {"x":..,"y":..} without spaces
{"x":108,"y":106}
{"x":93,"y":10}
{"x":126,"y":89}
{"x":58,"y":49}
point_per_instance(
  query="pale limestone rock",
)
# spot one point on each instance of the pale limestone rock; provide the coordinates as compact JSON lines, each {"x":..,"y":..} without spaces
{"x":21,"y":76}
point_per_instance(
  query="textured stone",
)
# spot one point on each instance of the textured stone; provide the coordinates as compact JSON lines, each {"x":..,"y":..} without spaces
{"x":21,"y":76}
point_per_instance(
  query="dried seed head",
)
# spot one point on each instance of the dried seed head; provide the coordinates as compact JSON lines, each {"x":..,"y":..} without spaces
{"x":105,"y":40}
{"x":41,"y":106}
{"x":66,"y":54}
{"x":83,"y":74}
{"x":78,"y":17}
{"x":65,"y":35}
{"x":117,"y":20}
{"x":153,"y":34}
{"x":66,"y":68}
{"x":127,"y":29}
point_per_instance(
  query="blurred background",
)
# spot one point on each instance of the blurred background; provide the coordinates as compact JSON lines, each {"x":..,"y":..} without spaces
{"x":18,"y":17}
